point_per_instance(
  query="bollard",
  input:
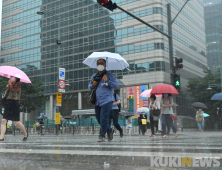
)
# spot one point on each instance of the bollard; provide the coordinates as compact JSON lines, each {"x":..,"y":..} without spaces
{"x":181,"y":128}
{"x":73,"y":129}
{"x":14,"y":129}
{"x":57,"y":131}
{"x":93,"y":130}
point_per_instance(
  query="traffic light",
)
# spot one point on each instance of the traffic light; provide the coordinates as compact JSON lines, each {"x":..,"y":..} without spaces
{"x":107,"y":4}
{"x":178,"y":63}
{"x":177,"y":82}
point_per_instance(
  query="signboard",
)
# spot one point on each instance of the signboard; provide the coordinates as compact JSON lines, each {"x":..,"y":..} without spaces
{"x":74,"y":117}
{"x":57,"y":118}
{"x":62,"y":84}
{"x":58,"y":99}
{"x":61,"y":90}
{"x":61,"y":74}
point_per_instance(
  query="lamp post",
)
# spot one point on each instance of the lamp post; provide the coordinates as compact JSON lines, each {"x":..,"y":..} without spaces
{"x":58,"y":42}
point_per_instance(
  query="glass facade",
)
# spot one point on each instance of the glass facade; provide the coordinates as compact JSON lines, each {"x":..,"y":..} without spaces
{"x":213,"y":22}
{"x":29,"y":41}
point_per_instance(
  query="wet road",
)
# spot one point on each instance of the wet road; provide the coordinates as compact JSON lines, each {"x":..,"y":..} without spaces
{"x":128,"y":153}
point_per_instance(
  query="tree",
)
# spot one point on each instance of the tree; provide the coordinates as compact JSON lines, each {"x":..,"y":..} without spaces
{"x":32,"y":96}
{"x":199,"y":93}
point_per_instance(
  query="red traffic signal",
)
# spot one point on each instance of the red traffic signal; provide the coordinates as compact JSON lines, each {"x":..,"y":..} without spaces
{"x":107,"y":4}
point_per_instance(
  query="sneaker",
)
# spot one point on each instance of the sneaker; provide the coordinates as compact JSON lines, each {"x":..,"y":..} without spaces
{"x":176,"y":134}
{"x":101,"y":139}
{"x":164,"y":136}
{"x":152,"y":136}
{"x":110,"y":135}
{"x":121,"y":134}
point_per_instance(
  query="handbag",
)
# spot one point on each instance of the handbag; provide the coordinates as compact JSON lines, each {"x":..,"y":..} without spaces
{"x":159,"y":125}
{"x":156,"y":118}
{"x":144,"y":122}
{"x":199,"y":118}
{"x":92,"y":97}
{"x":174,"y":117}
{"x":156,"y":112}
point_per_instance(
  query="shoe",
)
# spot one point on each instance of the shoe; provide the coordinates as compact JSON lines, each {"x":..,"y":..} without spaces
{"x":176,"y":134}
{"x":110,"y":135}
{"x":152,"y":136}
{"x":164,"y":136}
{"x":25,"y":138}
{"x":101,"y":139}
{"x":121,"y":134}
{"x":2,"y":139}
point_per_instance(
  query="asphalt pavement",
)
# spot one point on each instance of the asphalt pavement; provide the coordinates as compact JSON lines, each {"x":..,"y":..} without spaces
{"x":83,"y":152}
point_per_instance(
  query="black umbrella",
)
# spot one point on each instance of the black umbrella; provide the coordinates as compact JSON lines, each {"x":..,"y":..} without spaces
{"x":43,"y":117}
{"x":67,"y":117}
{"x":127,"y":114}
{"x":199,"y":105}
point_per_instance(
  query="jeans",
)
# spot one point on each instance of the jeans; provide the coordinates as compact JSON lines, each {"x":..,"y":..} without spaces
{"x":114,"y":114}
{"x":166,"y":119}
{"x":153,"y":124}
{"x":102,"y":116}
{"x":200,"y":126}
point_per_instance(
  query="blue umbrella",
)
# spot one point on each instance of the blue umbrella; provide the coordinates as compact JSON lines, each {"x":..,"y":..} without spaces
{"x":142,"y":113}
{"x":217,"y":96}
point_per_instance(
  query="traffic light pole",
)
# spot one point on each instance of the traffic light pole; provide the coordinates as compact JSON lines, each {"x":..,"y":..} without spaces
{"x":169,"y":35}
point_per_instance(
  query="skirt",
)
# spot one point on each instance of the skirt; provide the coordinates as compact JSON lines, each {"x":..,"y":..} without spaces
{"x":12,"y":110}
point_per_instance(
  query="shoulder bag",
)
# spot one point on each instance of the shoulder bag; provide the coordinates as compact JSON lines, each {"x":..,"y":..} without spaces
{"x":4,"y":99}
{"x":199,"y":118}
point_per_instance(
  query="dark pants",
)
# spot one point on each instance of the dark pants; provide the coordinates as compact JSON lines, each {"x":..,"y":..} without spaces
{"x":143,"y":129}
{"x":153,"y":124}
{"x":102,"y":116}
{"x":166,"y":119}
{"x":114,"y":114}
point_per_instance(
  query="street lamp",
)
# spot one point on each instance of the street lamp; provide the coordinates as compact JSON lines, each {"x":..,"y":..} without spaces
{"x":58,"y":42}
{"x":212,"y":85}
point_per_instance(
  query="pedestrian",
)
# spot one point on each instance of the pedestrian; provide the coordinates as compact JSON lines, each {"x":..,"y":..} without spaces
{"x":143,"y":120}
{"x":37,"y":127}
{"x":166,"y":111}
{"x":128,"y":125}
{"x":12,"y":107}
{"x":104,"y":82}
{"x":114,"y":114}
{"x":154,"y":105}
{"x":41,"y":123}
{"x":60,"y":128}
{"x":139,"y":124}
{"x":200,"y":120}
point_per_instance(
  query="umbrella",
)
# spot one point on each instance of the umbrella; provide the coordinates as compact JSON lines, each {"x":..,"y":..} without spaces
{"x":43,"y":117}
{"x":8,"y":71}
{"x":205,"y":115}
{"x":199,"y":105}
{"x":67,"y":117}
{"x":217,"y":96}
{"x":127,"y":114}
{"x":113,"y":60}
{"x":143,"y":109}
{"x":146,"y":93}
{"x":164,"y":88}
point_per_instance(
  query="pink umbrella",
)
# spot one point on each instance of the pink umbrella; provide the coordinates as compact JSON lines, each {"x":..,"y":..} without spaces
{"x":8,"y":71}
{"x":146,"y":93}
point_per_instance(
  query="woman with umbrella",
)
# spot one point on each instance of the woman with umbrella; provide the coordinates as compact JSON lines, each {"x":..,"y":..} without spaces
{"x":12,"y":106}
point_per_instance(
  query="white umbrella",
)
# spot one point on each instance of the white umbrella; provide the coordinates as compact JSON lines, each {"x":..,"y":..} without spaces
{"x":113,"y":60}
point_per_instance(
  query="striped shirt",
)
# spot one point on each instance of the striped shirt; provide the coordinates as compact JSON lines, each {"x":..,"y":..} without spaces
{"x":14,"y":91}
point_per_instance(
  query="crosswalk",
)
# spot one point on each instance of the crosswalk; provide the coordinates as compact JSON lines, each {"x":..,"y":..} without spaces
{"x":129,"y":152}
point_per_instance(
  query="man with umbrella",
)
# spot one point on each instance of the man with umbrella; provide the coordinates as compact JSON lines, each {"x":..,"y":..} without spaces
{"x":104,"y":82}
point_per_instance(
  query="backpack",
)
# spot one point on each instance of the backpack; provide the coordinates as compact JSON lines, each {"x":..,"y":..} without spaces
{"x":119,"y":105}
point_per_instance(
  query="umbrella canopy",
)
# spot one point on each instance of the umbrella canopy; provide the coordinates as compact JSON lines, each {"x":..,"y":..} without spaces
{"x":8,"y":71}
{"x":205,"y":115}
{"x":217,"y":96}
{"x":43,"y":117}
{"x":113,"y":60}
{"x":146,"y":93}
{"x":164,"y":88}
{"x":199,"y":105}
{"x":67,"y":117}
{"x":143,"y":109}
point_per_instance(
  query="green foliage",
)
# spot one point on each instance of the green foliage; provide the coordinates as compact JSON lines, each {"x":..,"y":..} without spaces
{"x":199,"y":93}
{"x":32,"y":96}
